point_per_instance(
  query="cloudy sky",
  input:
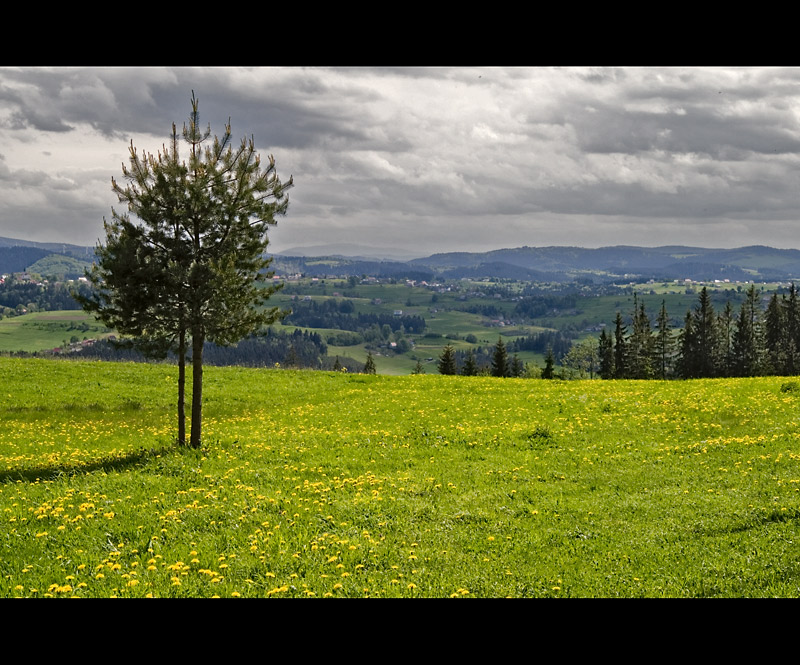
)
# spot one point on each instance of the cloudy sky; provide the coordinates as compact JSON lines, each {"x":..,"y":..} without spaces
{"x":431,"y":159}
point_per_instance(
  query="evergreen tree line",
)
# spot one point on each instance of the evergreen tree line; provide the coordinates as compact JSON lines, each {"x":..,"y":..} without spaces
{"x":755,"y":341}
{"x":481,"y":362}
{"x":298,"y":349}
{"x":339,"y":315}
{"x":557,"y":341}
{"x":541,"y":305}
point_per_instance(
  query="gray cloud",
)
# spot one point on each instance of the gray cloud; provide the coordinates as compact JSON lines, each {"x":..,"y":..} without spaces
{"x":431,"y":158}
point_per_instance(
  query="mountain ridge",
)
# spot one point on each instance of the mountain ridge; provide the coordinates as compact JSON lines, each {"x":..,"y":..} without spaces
{"x":550,"y":263}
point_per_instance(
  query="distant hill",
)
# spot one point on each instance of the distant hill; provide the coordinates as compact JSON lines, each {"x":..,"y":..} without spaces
{"x":59,"y":267}
{"x":564,"y":264}
{"x":554,"y":264}
{"x":78,"y":251}
{"x":17,"y":259}
{"x":659,"y":263}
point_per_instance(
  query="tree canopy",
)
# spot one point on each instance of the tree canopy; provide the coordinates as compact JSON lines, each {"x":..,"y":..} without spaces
{"x":186,"y":263}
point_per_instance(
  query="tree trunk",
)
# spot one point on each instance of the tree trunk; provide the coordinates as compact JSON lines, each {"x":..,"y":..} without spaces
{"x":182,"y":389}
{"x":197,"y":390}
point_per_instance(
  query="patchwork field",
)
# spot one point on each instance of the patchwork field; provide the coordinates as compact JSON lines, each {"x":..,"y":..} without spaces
{"x":315,"y":484}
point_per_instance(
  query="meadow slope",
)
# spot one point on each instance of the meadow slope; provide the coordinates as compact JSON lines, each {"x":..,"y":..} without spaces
{"x":315,"y":484}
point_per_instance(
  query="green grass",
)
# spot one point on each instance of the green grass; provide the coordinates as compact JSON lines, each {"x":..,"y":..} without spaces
{"x":41,"y":331}
{"x":329,"y":484}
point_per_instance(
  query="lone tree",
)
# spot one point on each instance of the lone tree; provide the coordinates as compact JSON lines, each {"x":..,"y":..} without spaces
{"x":186,"y":263}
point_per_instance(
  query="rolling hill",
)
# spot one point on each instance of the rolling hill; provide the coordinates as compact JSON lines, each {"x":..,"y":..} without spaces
{"x":554,"y":264}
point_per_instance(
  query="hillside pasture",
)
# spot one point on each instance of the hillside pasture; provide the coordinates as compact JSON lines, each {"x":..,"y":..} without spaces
{"x":42,"y":331}
{"x":315,"y":484}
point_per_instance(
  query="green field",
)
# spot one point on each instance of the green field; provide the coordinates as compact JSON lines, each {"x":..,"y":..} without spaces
{"x":42,"y":331}
{"x":315,"y":484}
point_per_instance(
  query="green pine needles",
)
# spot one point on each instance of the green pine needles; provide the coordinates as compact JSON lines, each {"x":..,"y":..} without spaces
{"x":186,"y":263}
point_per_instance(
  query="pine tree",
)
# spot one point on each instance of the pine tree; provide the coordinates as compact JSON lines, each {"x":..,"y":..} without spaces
{"x":447,"y":361}
{"x":605,"y":352}
{"x":418,"y":368}
{"x":792,"y":323}
{"x":686,"y":365}
{"x":620,"y":349}
{"x":748,"y":345}
{"x":197,"y":257}
{"x":664,"y":343}
{"x":369,"y":365}
{"x":640,"y":344}
{"x":706,"y":351}
{"x":776,"y":337}
{"x":500,"y":366}
{"x":549,"y":361}
{"x":470,"y":367}
{"x":725,"y":328}
{"x":517,"y":368}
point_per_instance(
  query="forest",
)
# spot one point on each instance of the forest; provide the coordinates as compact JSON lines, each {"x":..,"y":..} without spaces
{"x":297,"y":349}
{"x":341,"y":314}
{"x":755,"y":341}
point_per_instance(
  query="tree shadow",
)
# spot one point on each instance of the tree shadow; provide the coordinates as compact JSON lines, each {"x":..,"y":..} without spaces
{"x":119,"y":462}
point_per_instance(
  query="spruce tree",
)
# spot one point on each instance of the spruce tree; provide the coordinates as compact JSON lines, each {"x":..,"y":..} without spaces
{"x":748,"y":344}
{"x":792,"y":336}
{"x":706,"y":350}
{"x":369,"y":365}
{"x":500,"y":365}
{"x":549,"y":361}
{"x":605,"y":352}
{"x":664,"y":343}
{"x":447,"y":360}
{"x":725,"y":329}
{"x":686,"y":365}
{"x":640,"y":344}
{"x":620,"y":348}
{"x":776,"y":337}
{"x":470,"y":367}
{"x":517,"y":368}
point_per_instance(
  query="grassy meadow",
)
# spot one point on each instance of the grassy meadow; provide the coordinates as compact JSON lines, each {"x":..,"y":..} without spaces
{"x":321,"y":484}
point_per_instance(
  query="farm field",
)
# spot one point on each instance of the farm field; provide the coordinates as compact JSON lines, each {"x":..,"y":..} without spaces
{"x":323,"y":484}
{"x":41,"y":331}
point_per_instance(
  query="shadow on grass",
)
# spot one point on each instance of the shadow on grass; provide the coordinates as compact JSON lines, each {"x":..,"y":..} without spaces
{"x":113,"y":463}
{"x":751,"y":522}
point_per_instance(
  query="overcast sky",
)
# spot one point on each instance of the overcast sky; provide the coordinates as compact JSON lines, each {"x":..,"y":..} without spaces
{"x":431,"y":159}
